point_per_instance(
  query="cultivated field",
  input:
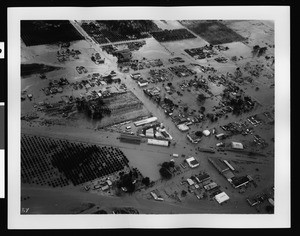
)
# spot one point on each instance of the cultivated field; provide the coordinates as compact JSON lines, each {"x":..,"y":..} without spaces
{"x":48,"y":32}
{"x":172,"y":35}
{"x":58,"y":163}
{"x":213,"y":32}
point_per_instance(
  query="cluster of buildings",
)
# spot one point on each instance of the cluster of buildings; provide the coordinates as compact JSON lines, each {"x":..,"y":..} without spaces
{"x":97,"y":59}
{"x":206,"y":51}
{"x":64,"y":54}
{"x":227,"y":170}
{"x":55,"y":86}
{"x":211,"y":187}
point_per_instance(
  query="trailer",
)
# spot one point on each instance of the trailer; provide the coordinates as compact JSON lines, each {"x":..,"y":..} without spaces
{"x":163,"y":143}
{"x":230,"y":166}
{"x":145,"y":121}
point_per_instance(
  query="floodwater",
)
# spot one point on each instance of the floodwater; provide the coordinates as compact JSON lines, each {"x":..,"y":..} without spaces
{"x":151,"y":50}
{"x":168,"y":25}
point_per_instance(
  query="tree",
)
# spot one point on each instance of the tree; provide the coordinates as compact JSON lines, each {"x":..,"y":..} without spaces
{"x":126,"y":181}
{"x":165,"y":165}
{"x":234,"y":58}
{"x":146,"y":181}
{"x":202,"y":109}
{"x":201,"y":97}
{"x":109,"y":80}
{"x":183,"y":193}
{"x":255,"y":49}
{"x":262,"y":51}
{"x":199,"y":134}
{"x":185,"y":109}
{"x":165,"y":173}
{"x":171,"y":164}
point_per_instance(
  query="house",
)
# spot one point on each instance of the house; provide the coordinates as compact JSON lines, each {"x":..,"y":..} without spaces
{"x":239,"y":181}
{"x":105,"y":187}
{"x":221,"y":197}
{"x":192,"y":162}
{"x":158,"y":142}
{"x":218,"y":164}
{"x":190,"y":181}
{"x":145,"y":121}
{"x":230,"y":166}
{"x":202,"y":177}
{"x":142,"y":83}
{"x":206,"y":132}
{"x":210,"y":186}
{"x":135,"y":76}
{"x":237,"y":145}
{"x":157,"y":198}
{"x":150,"y":133}
{"x":183,"y":127}
{"x":193,"y":138}
{"x":220,"y":136}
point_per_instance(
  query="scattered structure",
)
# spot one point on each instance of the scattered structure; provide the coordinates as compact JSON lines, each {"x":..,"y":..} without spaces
{"x":210,"y":186}
{"x":156,"y":142}
{"x":206,"y":132}
{"x":145,"y":121}
{"x":183,"y":127}
{"x":192,"y":162}
{"x":238,"y":182}
{"x":237,"y":145}
{"x":221,"y":197}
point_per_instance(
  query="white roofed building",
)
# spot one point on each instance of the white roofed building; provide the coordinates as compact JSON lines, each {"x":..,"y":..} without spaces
{"x":237,"y":145}
{"x":192,"y":162}
{"x":206,"y":132}
{"x":221,"y":197}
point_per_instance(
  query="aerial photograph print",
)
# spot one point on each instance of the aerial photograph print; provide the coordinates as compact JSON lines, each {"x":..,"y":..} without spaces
{"x":147,"y":116}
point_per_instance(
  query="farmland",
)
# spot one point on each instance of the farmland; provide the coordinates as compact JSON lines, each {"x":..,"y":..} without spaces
{"x":118,"y":30}
{"x":48,"y":32}
{"x":172,"y":35}
{"x":213,"y":32}
{"x":58,"y":163}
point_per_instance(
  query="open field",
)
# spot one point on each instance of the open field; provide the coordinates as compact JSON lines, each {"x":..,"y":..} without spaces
{"x":201,"y":96}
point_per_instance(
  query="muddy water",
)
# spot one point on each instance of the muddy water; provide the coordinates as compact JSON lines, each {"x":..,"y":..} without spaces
{"x":168,"y":25}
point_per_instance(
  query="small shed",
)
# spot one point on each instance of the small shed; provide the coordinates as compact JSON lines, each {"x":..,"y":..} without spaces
{"x":237,"y":145}
{"x":206,"y":132}
{"x":221,"y":197}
